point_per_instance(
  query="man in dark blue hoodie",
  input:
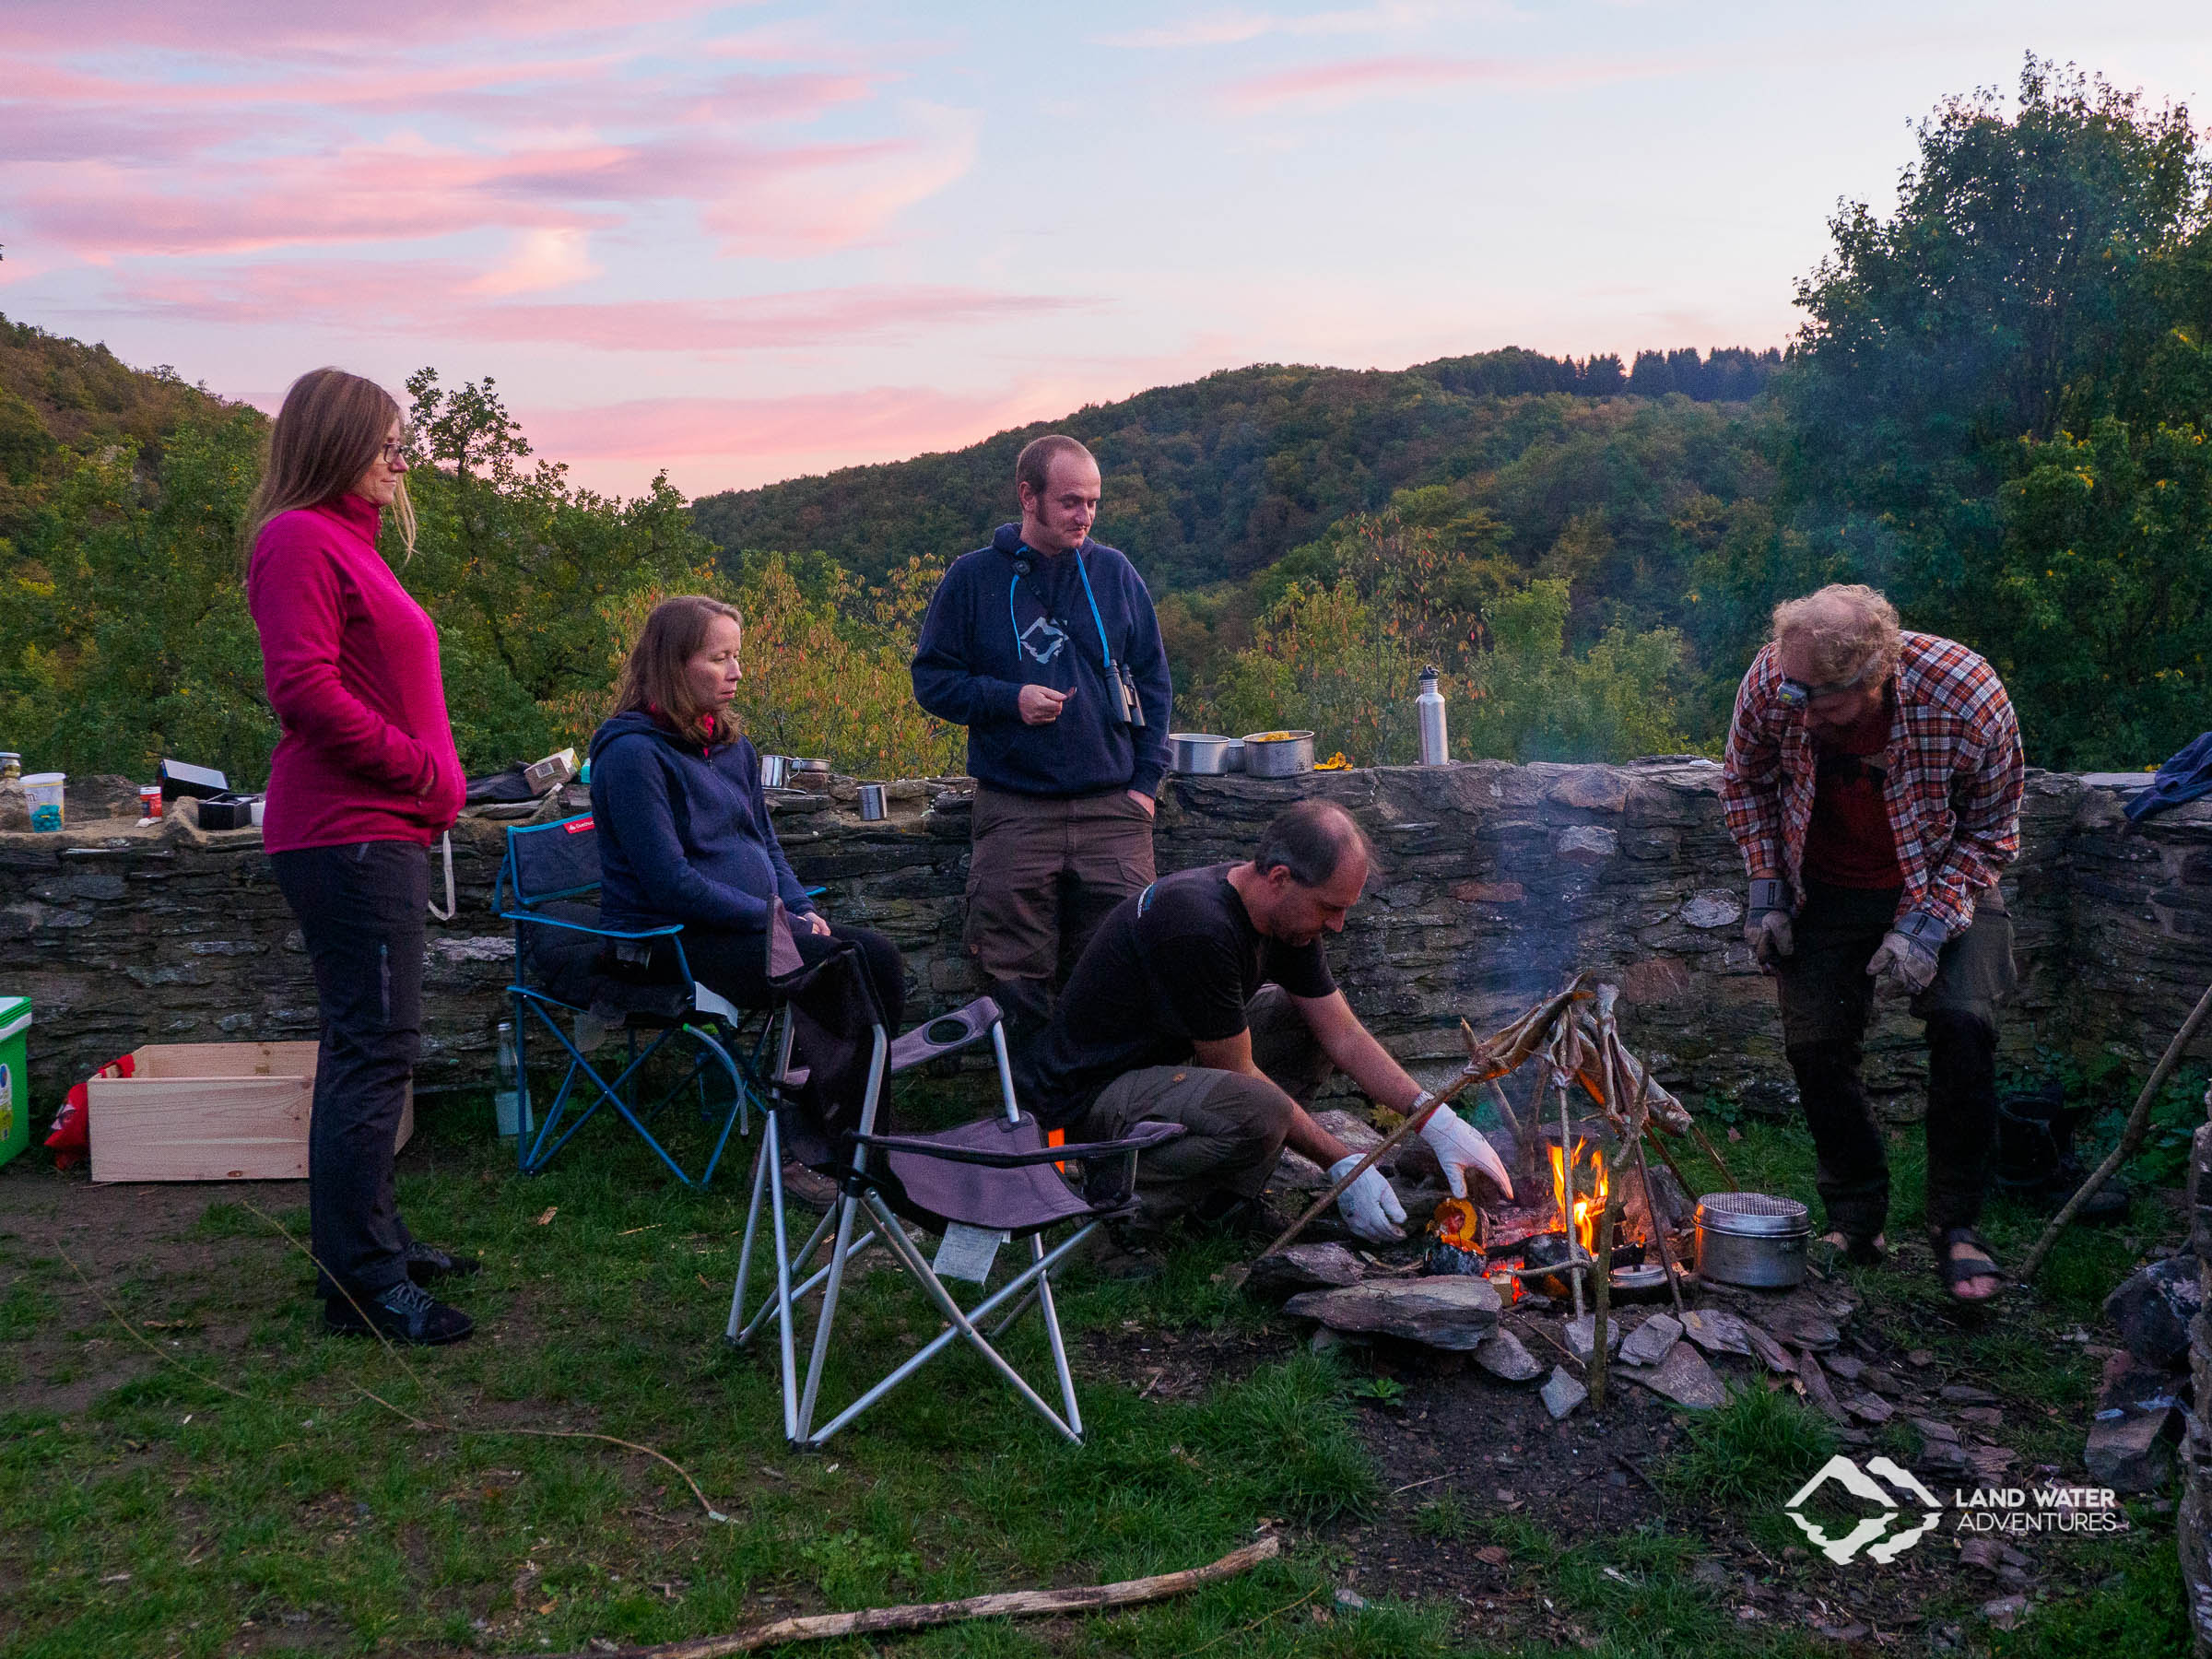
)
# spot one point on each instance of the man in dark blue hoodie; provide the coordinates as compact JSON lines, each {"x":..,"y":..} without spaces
{"x":1044,"y":645}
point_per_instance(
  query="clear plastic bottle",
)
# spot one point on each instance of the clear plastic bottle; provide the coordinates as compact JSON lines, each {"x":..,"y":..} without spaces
{"x":1436,"y":749}
{"x":507,"y":1097}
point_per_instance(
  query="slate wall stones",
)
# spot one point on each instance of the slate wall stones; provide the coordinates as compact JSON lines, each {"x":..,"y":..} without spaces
{"x":1492,"y":881}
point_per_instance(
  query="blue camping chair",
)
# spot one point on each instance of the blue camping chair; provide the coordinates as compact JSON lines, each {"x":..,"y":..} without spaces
{"x":548,"y":888}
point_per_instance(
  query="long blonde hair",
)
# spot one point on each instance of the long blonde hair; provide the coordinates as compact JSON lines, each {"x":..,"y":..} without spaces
{"x":333,"y":426}
{"x":653,"y":681}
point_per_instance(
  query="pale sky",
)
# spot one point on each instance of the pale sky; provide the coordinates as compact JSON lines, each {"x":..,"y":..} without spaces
{"x":749,"y":241}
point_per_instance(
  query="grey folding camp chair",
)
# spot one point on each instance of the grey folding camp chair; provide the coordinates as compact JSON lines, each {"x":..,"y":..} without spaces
{"x":978,"y":1185}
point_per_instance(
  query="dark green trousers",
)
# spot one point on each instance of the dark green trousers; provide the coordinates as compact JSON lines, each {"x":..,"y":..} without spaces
{"x":1827,"y":998}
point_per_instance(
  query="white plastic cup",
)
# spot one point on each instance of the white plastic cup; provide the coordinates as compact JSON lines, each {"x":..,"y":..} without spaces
{"x":42,"y":794}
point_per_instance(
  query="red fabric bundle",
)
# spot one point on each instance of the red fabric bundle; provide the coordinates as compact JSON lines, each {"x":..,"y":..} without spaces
{"x":72,"y":1136}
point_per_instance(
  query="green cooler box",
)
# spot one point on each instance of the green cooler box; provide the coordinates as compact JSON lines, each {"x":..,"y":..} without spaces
{"x":15,"y":1084}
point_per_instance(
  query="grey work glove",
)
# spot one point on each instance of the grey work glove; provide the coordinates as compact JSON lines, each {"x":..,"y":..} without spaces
{"x":1905,"y":965}
{"x":1767,"y":921}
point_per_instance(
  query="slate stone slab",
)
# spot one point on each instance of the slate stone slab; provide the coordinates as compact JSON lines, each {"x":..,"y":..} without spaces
{"x":2153,"y":1309}
{"x":1683,"y":1377}
{"x":1717,"y":1331}
{"x":1304,"y":1267}
{"x":1457,"y":1315}
{"x":1581,"y":1335}
{"x":2133,"y":1452}
{"x":1563,"y":1393}
{"x":1504,"y":1356}
{"x":1650,"y":1342}
{"x":1776,"y":1357}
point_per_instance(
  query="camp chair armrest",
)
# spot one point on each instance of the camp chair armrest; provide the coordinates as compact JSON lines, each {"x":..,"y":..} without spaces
{"x":602,"y":933}
{"x":1072,"y":1152}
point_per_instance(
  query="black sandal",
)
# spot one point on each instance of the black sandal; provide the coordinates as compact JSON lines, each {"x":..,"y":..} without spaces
{"x":1955,"y":1271}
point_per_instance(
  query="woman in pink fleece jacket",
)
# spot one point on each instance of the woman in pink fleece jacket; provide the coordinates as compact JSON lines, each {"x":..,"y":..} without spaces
{"x":364,"y":778}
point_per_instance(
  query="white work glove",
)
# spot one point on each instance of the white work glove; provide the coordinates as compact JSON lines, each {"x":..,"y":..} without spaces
{"x":1371,"y":1209}
{"x":1767,"y":923}
{"x":1905,"y":964}
{"x":1459,"y":1146}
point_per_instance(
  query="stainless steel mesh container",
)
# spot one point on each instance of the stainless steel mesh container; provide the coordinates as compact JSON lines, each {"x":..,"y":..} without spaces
{"x":1754,"y":1238}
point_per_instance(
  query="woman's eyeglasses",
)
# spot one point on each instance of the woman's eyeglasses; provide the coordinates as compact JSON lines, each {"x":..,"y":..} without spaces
{"x":395,"y":453}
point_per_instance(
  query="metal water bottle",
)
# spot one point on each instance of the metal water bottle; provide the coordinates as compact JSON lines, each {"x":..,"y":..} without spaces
{"x":1436,"y":750}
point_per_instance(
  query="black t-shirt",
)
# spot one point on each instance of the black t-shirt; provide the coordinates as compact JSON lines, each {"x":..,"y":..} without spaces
{"x":1174,"y":965}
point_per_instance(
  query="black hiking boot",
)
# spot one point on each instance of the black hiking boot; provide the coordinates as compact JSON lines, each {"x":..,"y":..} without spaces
{"x":406,"y":1313}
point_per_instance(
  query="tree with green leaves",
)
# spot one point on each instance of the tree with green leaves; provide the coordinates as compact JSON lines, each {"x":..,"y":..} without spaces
{"x":1998,"y":406}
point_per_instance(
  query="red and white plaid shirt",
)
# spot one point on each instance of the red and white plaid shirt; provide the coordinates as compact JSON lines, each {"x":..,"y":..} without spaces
{"x":1955,"y":776}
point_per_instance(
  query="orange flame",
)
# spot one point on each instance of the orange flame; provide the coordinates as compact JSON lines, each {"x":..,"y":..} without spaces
{"x":1593,"y":1187}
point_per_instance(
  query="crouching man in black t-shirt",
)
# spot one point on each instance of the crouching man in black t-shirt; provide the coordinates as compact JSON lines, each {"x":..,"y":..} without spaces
{"x":1204,"y":1000}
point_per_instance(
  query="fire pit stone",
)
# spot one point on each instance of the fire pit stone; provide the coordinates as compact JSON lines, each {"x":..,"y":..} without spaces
{"x":1563,"y":1393}
{"x":1304,"y":1267}
{"x":1717,"y":1331}
{"x":1683,"y":1377}
{"x":1650,"y":1342}
{"x":1582,"y":1335}
{"x":1504,"y":1356}
{"x":1455,"y":1314}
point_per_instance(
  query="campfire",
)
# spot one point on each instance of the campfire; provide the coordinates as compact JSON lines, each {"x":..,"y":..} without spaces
{"x":1604,"y":1206}
{"x":1591,"y":1189}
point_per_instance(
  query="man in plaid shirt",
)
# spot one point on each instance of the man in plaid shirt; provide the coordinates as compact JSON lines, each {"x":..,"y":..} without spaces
{"x":1872,"y":782}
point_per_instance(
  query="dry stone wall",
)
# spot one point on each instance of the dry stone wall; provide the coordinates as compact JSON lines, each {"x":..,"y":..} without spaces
{"x":1492,"y":882}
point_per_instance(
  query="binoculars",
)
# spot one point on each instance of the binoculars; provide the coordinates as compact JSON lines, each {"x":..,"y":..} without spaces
{"x":1132,"y":710}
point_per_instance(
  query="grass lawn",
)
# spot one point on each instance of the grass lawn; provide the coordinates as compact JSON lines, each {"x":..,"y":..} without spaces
{"x":274,"y":1502}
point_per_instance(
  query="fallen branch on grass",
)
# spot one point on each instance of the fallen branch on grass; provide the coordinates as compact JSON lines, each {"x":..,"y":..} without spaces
{"x":137,"y":1334}
{"x":1020,"y":1603}
{"x":451,"y":1427}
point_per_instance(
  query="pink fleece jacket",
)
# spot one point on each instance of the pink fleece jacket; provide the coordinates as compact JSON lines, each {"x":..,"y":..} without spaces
{"x":351,"y":665}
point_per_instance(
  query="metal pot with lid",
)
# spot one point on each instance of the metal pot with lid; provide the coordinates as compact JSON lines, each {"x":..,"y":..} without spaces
{"x":1752,"y":1239}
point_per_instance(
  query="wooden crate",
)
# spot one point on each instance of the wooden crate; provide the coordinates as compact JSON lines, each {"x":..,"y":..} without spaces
{"x":210,"y":1111}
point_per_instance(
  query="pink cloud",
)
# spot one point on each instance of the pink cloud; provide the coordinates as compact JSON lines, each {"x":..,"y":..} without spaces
{"x":724,"y":443}
{"x":439,"y":298}
{"x":259,"y":25}
{"x":1333,"y":86}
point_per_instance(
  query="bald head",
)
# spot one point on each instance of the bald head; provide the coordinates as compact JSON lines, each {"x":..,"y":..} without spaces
{"x":1846,"y":633}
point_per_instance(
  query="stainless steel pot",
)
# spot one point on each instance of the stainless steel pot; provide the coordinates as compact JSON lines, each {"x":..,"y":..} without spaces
{"x":1752,"y":1239}
{"x":810,"y":775}
{"x":872,"y":808}
{"x":775,"y":772}
{"x":1278,"y":754}
{"x":1199,"y":754}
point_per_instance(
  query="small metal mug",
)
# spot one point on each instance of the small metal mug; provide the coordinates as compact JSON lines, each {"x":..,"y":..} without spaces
{"x":872,"y":807}
{"x":775,"y":772}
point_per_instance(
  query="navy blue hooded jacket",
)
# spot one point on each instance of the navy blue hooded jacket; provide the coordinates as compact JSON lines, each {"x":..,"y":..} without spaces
{"x":992,"y":629}
{"x":684,"y":833}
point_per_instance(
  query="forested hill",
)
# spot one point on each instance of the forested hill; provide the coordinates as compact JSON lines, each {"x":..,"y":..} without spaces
{"x":62,"y":394}
{"x":1217,"y":478}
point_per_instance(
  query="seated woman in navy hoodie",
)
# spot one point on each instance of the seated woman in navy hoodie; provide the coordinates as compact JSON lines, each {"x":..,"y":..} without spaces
{"x":684,"y":832}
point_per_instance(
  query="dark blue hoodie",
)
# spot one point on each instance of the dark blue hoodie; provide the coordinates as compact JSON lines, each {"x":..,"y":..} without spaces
{"x":684,"y":833}
{"x":993,"y":630}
